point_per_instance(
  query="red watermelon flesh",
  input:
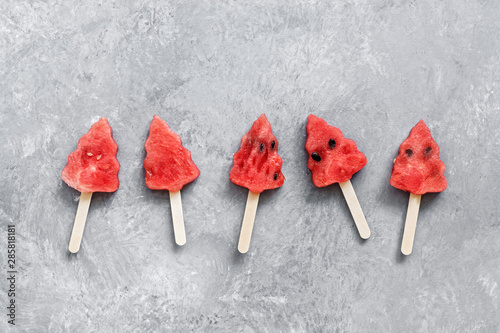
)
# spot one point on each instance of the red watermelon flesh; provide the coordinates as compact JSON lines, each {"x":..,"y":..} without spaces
{"x":332,"y":158}
{"x":257,"y":165}
{"x":168,"y":164}
{"x":418,"y":169}
{"x":93,"y":166}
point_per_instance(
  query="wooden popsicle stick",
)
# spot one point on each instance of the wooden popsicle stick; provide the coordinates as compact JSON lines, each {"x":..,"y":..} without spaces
{"x":80,"y":219}
{"x":410,"y":224}
{"x":248,"y":220}
{"x":177,"y":217}
{"x":355,"y":208}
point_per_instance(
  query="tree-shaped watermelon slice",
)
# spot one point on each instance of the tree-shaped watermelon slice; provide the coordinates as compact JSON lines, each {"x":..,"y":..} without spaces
{"x":169,"y":167}
{"x":92,"y":167}
{"x":418,"y":170}
{"x":334,"y":159}
{"x":257,"y":166}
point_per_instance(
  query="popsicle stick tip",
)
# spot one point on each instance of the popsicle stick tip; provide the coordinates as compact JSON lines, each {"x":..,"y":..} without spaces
{"x":242,"y":249}
{"x":73,"y":249}
{"x":365,"y":234}
{"x":406,"y":252}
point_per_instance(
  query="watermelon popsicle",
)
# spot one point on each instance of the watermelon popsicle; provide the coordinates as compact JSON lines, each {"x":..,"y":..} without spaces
{"x":417,"y":169}
{"x":92,"y":167}
{"x":169,"y":167}
{"x":334,"y":159}
{"x":257,"y":166}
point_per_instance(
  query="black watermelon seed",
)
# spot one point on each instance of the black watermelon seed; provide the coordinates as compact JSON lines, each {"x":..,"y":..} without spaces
{"x":315,"y":156}
{"x":273,"y":144}
{"x":428,"y":150}
{"x":261,"y":147}
{"x":409,"y":152}
{"x":275,"y":176}
{"x":332,"y":143}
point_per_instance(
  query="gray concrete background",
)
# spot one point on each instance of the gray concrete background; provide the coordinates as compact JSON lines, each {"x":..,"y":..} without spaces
{"x":371,"y":68}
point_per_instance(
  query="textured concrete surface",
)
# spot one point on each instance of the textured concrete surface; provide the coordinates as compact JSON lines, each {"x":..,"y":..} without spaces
{"x":372,"y":68}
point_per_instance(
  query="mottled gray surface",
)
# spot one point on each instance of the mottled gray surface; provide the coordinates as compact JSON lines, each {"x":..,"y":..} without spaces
{"x":371,"y":68}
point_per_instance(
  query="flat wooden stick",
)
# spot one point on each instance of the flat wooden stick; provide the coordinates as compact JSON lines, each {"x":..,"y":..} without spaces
{"x":80,"y":219}
{"x":248,"y":220}
{"x":411,"y":223}
{"x":177,"y":217}
{"x":355,"y":208}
